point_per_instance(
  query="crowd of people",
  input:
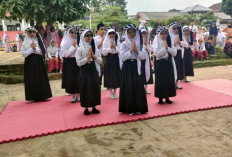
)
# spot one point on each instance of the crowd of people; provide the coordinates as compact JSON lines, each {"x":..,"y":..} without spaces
{"x":128,"y":63}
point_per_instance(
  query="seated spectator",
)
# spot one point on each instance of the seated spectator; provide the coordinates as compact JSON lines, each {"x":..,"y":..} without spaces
{"x":209,"y":45}
{"x":14,"y":48}
{"x":200,"y":51}
{"x":228,"y":47}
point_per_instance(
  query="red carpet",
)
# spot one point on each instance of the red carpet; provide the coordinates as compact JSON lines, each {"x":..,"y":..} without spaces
{"x":218,"y":85}
{"x":22,"y":120}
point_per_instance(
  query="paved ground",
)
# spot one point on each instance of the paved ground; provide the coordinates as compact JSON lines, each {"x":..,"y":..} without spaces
{"x":10,"y":58}
{"x":199,"y":134}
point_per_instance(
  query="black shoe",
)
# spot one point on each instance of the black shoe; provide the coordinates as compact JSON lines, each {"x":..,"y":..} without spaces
{"x":86,"y":112}
{"x":73,"y":101}
{"x":168,"y":101}
{"x":160,"y":101}
{"x":94,"y":110}
{"x":178,"y":87}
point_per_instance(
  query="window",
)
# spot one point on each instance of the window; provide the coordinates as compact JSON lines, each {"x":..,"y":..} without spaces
{"x":1,"y":28}
{"x":18,"y":27}
{"x":11,"y":28}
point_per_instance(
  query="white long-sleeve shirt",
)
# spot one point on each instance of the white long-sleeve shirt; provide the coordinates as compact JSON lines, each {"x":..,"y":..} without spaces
{"x":126,"y":54}
{"x":162,"y":53}
{"x":110,"y":50}
{"x":98,"y":40}
{"x":82,"y":57}
{"x":69,"y":53}
{"x":28,"y":51}
{"x":52,"y":53}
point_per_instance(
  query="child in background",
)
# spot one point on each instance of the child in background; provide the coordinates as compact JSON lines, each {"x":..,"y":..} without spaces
{"x":200,"y":51}
{"x":228,"y":47}
{"x":209,"y":46}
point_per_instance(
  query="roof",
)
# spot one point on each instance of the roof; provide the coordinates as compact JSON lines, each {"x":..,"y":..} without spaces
{"x":216,"y":7}
{"x":222,"y":16}
{"x":196,"y":8}
{"x":174,"y":10}
{"x":159,"y":15}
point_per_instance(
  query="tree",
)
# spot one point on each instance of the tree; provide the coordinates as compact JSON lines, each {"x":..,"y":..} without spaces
{"x":203,"y":20}
{"x":226,"y":7}
{"x":44,"y":10}
{"x":110,"y":16}
{"x":111,"y":3}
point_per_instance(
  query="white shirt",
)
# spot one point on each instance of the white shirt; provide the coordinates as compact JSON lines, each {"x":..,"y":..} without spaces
{"x":126,"y":54}
{"x":201,"y":47}
{"x":193,"y":28}
{"x":70,"y":53}
{"x":26,"y":52}
{"x":98,"y":40}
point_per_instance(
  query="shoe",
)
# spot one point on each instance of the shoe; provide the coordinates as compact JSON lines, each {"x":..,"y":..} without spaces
{"x":131,"y":114}
{"x":94,"y":110}
{"x":115,"y":96}
{"x":86,"y":112}
{"x":78,"y":98}
{"x":168,"y":101}
{"x":178,"y":87}
{"x":147,"y":91}
{"x":160,"y":102}
{"x":111,"y":96}
{"x":73,"y":101}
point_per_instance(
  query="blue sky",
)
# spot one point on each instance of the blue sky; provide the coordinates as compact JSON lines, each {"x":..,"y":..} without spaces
{"x":134,"y":6}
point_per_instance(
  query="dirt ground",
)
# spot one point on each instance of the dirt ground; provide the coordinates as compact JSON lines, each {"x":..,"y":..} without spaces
{"x":197,"y":134}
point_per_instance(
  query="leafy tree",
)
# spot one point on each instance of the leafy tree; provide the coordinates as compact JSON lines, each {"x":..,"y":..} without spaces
{"x":112,"y":3}
{"x":110,"y":16}
{"x":203,"y":20}
{"x":226,"y":7}
{"x":44,"y":10}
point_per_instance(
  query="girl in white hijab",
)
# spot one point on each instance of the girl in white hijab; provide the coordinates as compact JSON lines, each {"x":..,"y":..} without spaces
{"x":175,"y":33}
{"x":165,"y":74}
{"x":89,"y":60}
{"x":6,"y":42}
{"x":53,"y":62}
{"x":132,"y":99}
{"x":37,"y":87}
{"x":146,"y":69}
{"x":71,"y":72}
{"x":188,"y":59}
{"x":112,"y":72}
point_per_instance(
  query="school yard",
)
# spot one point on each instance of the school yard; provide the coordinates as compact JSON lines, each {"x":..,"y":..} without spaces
{"x":203,"y":134}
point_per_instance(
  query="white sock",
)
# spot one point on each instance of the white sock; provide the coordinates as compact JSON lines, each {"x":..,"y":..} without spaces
{"x":73,"y":97}
{"x":115,"y":91}
{"x":78,"y":97}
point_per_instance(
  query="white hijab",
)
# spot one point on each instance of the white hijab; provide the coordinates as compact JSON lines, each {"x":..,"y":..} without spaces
{"x":84,"y":46}
{"x":67,"y":40}
{"x":107,"y":40}
{"x":128,"y":43}
{"x":53,"y":49}
{"x":186,"y":28}
{"x":147,"y":63}
{"x":5,"y":37}
{"x":28,"y":41}
{"x":158,"y":45}
{"x":172,"y":35}
{"x":142,"y":24}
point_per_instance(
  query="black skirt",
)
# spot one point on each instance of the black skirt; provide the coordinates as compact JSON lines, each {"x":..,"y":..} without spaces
{"x":112,"y":72}
{"x":90,"y":88}
{"x":179,"y":65}
{"x":132,"y":97}
{"x":71,"y":76}
{"x":63,"y":83}
{"x":36,"y":81}
{"x":188,"y":62}
{"x":143,"y":73}
{"x":165,"y":85}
